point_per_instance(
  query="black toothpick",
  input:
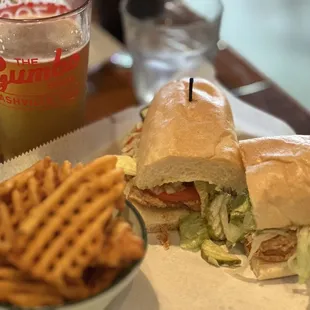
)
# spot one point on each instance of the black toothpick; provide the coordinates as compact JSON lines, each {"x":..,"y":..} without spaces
{"x":190,"y":91}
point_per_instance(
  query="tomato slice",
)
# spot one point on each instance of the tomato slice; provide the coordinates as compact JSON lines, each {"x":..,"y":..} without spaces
{"x":188,"y":194}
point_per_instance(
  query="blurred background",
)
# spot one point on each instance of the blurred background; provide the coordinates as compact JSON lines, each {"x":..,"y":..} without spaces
{"x":273,"y":35}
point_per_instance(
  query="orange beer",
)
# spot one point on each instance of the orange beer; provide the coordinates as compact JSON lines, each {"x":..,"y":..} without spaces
{"x":43,"y":76}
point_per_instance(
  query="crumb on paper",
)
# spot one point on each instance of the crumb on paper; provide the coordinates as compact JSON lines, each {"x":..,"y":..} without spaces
{"x":163,"y":237}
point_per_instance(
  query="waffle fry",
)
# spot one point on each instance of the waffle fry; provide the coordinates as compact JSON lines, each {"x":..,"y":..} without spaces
{"x":59,"y":251}
{"x":21,"y":289}
{"x":32,"y":186}
{"x":59,"y":239}
{"x":20,"y":179}
{"x":26,"y":190}
{"x":122,"y":246}
{"x":6,"y":229}
{"x":34,"y":300}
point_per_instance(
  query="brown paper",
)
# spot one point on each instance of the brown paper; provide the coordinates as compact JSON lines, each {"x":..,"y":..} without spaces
{"x":176,"y":279}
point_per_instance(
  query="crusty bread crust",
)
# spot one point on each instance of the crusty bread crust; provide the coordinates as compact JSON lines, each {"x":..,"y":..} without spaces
{"x":278,"y":178}
{"x":156,"y":220}
{"x":189,"y":141}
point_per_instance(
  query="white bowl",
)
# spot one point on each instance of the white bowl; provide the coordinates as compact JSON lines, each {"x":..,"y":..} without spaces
{"x":104,"y":298}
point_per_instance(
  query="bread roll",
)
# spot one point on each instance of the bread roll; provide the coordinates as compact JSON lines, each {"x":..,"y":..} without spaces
{"x":157,"y":219}
{"x":278,"y":178}
{"x":185,"y":141}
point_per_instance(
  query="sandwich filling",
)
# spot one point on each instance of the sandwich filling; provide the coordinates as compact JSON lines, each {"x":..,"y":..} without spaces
{"x":131,"y":142}
{"x":227,"y":213}
{"x":279,"y":248}
{"x":164,"y":200}
{"x":227,"y":217}
{"x":223,"y":216}
{"x":290,"y":245}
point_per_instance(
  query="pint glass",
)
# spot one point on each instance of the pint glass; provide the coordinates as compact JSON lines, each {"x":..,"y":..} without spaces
{"x":43,"y":70}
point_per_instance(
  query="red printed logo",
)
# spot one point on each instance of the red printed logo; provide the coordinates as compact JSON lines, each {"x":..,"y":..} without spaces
{"x":46,"y":82}
{"x":37,"y":73}
{"x":20,"y":8}
{"x":33,"y":84}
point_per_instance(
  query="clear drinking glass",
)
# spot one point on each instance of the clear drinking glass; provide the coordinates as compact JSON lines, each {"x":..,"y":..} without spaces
{"x":169,"y":40}
{"x":43,"y":70}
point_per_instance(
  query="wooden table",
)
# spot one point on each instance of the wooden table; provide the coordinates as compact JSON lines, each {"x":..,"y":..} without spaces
{"x":113,"y":91}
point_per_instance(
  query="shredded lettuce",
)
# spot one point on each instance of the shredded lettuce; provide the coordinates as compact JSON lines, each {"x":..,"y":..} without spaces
{"x":206,"y":193}
{"x":241,"y":220}
{"x":248,"y":223}
{"x":257,"y":239}
{"x":282,"y":232}
{"x":300,"y":262}
{"x":238,"y":204}
{"x":232,"y":232}
{"x":193,"y":232}
{"x":228,"y":217}
{"x":241,"y":206}
{"x":213,"y":215}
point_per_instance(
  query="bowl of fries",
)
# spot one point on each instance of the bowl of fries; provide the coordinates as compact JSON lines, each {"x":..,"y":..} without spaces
{"x":68,"y":238}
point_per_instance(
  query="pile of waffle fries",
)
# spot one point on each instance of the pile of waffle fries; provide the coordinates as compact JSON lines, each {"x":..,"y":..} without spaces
{"x":59,"y":237}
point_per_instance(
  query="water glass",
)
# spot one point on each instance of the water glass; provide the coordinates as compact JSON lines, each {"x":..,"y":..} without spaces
{"x":169,"y":39}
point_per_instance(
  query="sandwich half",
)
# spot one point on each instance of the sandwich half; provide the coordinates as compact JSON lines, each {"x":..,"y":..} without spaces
{"x":184,"y":151}
{"x":278,"y":179}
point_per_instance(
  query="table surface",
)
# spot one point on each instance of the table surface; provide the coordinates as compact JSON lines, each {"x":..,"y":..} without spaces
{"x":113,"y":91}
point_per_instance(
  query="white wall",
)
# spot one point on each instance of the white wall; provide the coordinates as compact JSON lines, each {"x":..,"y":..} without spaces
{"x":275,"y":36}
